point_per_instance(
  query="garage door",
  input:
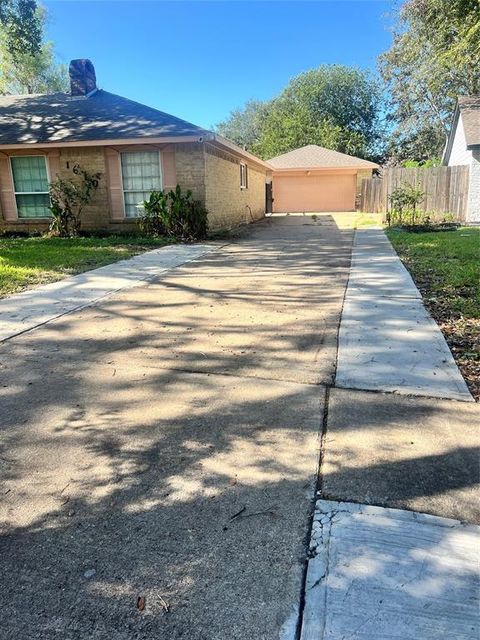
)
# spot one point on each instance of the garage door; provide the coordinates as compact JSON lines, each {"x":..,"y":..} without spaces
{"x":332,"y":192}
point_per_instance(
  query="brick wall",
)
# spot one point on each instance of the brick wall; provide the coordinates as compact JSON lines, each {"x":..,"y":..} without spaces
{"x":190,"y":168}
{"x":227,"y":203}
{"x":213,"y":176}
{"x":94,"y":216}
{"x":97,"y":214}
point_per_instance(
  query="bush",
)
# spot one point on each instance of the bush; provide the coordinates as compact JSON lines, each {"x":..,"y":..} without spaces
{"x":403,"y":202}
{"x":174,"y":214}
{"x":67,"y":200}
{"x":154,"y":220}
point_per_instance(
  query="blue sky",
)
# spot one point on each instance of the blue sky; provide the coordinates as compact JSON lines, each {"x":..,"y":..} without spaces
{"x":199,"y":60}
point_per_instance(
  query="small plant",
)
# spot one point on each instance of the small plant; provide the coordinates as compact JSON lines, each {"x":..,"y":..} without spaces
{"x":403,"y":204}
{"x":174,"y":214}
{"x":154,"y":220}
{"x":67,"y":200}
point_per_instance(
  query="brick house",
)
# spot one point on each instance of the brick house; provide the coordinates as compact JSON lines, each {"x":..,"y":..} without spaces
{"x":137,"y":149}
{"x":463,"y":148}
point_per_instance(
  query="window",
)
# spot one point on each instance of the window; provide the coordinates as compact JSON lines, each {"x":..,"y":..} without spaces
{"x":243,"y":176}
{"x":141,"y":174}
{"x":30,"y":183}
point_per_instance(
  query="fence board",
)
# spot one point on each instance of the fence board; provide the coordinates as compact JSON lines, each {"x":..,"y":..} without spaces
{"x":445,"y":188}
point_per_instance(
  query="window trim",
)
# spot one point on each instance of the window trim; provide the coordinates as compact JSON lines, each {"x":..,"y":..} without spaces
{"x":159,"y":153}
{"x":243,"y":174}
{"x":29,"y":193}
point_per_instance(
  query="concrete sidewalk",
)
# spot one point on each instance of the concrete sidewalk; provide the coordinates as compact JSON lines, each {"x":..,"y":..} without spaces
{"x":388,"y":341}
{"x":375,"y":572}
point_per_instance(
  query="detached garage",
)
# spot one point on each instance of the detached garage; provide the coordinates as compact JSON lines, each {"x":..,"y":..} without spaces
{"x":315,"y":179}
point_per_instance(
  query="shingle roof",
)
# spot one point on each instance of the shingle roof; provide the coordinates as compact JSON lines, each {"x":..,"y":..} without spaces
{"x":58,"y":117}
{"x":314,"y":157}
{"x":470,"y":109}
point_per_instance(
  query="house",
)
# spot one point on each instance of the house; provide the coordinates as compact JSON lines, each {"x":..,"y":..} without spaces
{"x":463,"y":148}
{"x":315,"y":179}
{"x":137,"y":149}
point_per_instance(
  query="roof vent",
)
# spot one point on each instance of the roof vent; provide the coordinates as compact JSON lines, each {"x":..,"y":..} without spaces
{"x":82,"y":77}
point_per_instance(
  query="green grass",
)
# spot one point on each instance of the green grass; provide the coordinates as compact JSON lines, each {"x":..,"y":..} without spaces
{"x":446,"y":268}
{"x":25,"y":262}
{"x":445,"y":265}
{"x":368,"y":220}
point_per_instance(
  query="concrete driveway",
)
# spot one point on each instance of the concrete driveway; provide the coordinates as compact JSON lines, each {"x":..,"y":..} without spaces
{"x":160,"y":449}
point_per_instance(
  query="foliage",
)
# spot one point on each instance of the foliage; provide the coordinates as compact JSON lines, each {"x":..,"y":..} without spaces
{"x":244,"y":126}
{"x":333,"y":106}
{"x":27,"y":64}
{"x":22,"y":27}
{"x":434,"y":58}
{"x":31,"y":261}
{"x":403,"y":204}
{"x":431,"y":162}
{"x":174,"y":214}
{"x":155,"y":214}
{"x":68,"y":197}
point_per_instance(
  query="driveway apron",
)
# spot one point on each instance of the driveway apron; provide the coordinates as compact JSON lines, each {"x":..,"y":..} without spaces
{"x":160,"y":448}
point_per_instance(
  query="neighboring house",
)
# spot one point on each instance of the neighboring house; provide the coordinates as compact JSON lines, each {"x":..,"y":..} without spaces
{"x":313,"y":179}
{"x":463,"y":148}
{"x":137,"y":149}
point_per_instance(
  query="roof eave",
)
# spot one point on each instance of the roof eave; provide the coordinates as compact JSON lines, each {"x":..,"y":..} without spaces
{"x":451,"y":135}
{"x":326,"y":168}
{"x":225,"y":142}
{"x":100,"y":142}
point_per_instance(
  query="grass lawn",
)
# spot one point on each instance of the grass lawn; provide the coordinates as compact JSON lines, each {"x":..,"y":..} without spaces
{"x":446,"y":269}
{"x":25,"y":262}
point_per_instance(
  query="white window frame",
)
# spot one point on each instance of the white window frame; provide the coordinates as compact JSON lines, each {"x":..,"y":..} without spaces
{"x":29,"y":193}
{"x":243,"y":175}
{"x":124,"y":191}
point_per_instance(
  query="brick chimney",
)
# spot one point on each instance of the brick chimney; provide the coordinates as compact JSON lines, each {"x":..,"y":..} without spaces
{"x":82,"y":77}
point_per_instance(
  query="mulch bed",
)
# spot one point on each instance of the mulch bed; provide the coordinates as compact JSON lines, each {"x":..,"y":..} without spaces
{"x":462,"y":334}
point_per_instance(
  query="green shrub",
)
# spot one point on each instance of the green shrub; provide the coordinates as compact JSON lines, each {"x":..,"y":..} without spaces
{"x":68,"y":197}
{"x":154,"y":220}
{"x":403,"y":204}
{"x":431,"y":162}
{"x":174,"y":214}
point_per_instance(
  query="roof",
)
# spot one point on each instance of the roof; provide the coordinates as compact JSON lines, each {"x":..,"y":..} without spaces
{"x":314,"y":157}
{"x":469,"y":109}
{"x":59,"y":117}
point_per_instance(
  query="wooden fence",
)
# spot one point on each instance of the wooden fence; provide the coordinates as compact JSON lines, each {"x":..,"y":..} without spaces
{"x":445,"y":188}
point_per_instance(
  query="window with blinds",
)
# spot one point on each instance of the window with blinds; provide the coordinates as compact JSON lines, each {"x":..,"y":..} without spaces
{"x":141,"y":174}
{"x":30,"y":182}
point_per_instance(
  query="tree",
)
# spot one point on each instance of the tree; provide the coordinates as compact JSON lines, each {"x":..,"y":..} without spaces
{"x":27,"y":64}
{"x":434,"y":57}
{"x":244,"y":126}
{"x":333,"y":106}
{"x":22,"y":27}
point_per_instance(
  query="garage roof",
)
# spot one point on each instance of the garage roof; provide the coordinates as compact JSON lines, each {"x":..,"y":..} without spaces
{"x":314,"y":157}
